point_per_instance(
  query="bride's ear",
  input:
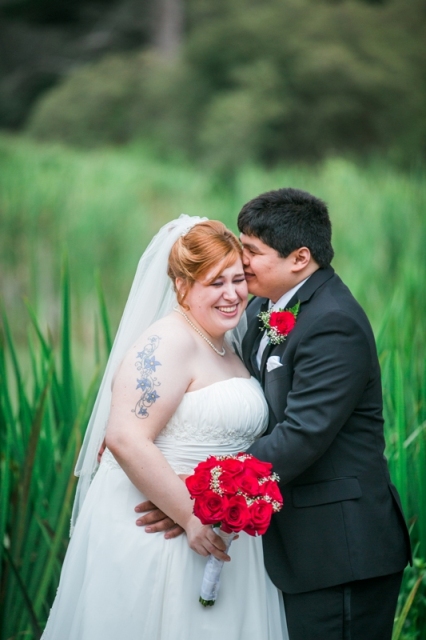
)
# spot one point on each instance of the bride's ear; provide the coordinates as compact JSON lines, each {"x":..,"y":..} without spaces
{"x":181,"y":289}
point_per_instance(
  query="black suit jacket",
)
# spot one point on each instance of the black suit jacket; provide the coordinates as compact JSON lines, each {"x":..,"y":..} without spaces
{"x":342,"y":518}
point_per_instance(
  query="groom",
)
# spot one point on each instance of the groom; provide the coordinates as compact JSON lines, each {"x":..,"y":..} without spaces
{"x":338,"y":548}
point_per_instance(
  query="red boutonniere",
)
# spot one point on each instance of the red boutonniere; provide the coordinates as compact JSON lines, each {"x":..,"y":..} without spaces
{"x":278,"y":324}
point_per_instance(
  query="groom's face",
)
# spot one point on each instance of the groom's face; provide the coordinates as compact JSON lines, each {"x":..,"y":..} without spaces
{"x":268,"y":275}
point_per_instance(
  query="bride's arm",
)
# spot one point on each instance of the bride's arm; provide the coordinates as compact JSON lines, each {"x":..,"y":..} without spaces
{"x":147,"y":390}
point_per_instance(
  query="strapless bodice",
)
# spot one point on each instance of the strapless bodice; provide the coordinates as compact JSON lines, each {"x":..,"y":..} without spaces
{"x":223,"y":418}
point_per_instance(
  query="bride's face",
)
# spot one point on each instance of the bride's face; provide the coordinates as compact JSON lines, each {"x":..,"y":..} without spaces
{"x":217,"y":306}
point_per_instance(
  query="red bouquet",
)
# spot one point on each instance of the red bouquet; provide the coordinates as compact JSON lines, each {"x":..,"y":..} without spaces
{"x":236,"y":493}
{"x":239,"y":493}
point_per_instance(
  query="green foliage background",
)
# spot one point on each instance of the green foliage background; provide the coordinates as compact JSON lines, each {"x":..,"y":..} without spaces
{"x":102,"y":207}
{"x":324,"y":95}
{"x":259,"y":81}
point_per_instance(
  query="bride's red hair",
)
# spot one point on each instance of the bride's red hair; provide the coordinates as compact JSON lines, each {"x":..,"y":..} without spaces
{"x":194,"y":255}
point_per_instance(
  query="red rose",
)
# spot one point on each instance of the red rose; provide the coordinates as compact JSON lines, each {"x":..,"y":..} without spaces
{"x":271,"y":489}
{"x":198,"y":483}
{"x":260,"y":468}
{"x":250,"y":530}
{"x":248,"y":482}
{"x":210,"y":507}
{"x":207,"y":464}
{"x":237,"y":515}
{"x":282,"y":321}
{"x":260,"y":517}
{"x":232,"y":466}
{"x":227,"y":483}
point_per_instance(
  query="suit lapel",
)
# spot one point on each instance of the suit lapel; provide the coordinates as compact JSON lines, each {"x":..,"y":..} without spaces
{"x":253,"y":336}
{"x":253,"y":355}
{"x":265,"y":357}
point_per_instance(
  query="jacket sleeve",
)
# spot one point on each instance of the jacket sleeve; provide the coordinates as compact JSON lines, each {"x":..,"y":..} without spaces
{"x":332,"y":366}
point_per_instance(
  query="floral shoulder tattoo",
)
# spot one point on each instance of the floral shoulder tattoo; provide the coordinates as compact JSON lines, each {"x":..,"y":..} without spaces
{"x":146,"y":364}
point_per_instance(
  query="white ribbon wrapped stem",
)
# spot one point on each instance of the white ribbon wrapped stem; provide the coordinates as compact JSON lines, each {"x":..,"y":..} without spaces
{"x":211,"y":579}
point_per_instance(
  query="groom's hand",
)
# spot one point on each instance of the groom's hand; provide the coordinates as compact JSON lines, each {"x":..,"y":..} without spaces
{"x":155,"y":520}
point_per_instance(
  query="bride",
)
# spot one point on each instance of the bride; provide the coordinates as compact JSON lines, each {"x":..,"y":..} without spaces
{"x":179,"y":393}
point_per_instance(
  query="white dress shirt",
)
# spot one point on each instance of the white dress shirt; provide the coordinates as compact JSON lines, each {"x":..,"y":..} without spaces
{"x":280,"y":304}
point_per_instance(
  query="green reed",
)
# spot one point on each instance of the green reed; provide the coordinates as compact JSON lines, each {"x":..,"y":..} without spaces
{"x":402,"y":342}
{"x":43,"y":415}
{"x":103,"y":207}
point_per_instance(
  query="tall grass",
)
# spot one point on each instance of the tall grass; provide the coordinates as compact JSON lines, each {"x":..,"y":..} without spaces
{"x":401,"y":343}
{"x":103,"y":207}
{"x":43,"y":414}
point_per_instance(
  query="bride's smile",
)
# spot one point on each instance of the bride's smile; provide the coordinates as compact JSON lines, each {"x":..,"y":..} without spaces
{"x":217,"y":301}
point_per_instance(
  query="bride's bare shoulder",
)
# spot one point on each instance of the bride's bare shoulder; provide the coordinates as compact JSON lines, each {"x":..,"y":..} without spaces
{"x":167,"y":337}
{"x":172,"y":332}
{"x":167,"y":349}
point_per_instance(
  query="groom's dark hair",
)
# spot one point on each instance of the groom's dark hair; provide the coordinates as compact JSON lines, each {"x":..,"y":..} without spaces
{"x":287,"y":219}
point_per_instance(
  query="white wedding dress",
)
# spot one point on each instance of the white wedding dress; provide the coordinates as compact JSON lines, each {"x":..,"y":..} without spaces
{"x":120,"y":583}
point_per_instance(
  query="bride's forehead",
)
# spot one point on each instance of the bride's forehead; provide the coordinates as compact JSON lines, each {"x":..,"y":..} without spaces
{"x":224,"y":270}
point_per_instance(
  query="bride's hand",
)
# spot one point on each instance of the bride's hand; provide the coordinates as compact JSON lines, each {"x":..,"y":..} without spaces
{"x":203,"y":540}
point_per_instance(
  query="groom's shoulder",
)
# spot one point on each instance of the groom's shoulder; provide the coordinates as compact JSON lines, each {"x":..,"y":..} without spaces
{"x":335,"y":297}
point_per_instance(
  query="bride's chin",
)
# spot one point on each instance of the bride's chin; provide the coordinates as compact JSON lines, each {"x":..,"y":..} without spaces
{"x":231,"y":323}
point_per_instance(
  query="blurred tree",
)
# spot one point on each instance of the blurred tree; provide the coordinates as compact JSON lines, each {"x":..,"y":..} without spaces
{"x":342,"y":77}
{"x":44,"y":11}
{"x":336,"y":77}
{"x":168,"y":32}
{"x":42,"y":41}
{"x":260,"y":81}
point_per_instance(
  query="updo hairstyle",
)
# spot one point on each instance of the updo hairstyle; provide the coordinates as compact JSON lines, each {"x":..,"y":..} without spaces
{"x":206,"y":245}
